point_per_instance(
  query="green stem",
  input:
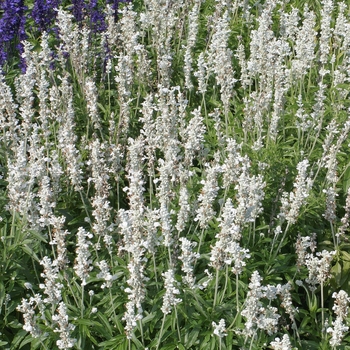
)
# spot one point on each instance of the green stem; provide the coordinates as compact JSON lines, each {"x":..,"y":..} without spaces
{"x":216,"y":287}
{"x":161,"y":332}
{"x":251,"y":342}
{"x":141,"y":331}
{"x":280,"y":244}
{"x":82,"y":303}
{"x":322,"y":310}
{"x":177,"y":325}
{"x":237,"y":295}
{"x":335,"y":239}
{"x":111,"y":297}
{"x":225,"y":286}
{"x":155,"y":269}
{"x":200,"y":241}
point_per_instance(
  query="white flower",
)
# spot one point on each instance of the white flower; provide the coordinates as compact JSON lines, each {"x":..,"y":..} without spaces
{"x":171,"y":291}
{"x":29,"y":317}
{"x":188,"y":257}
{"x":219,"y":329}
{"x":64,"y":328}
{"x":105,"y":274}
{"x":292,"y":202}
{"x":51,"y":287}
{"x":341,"y":310}
{"x":282,"y":344}
{"x":83,"y":262}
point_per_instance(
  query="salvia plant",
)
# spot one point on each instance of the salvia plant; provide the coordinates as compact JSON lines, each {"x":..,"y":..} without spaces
{"x":174,"y":174}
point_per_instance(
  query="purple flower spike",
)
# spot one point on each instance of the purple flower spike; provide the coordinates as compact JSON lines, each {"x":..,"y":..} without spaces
{"x":115,"y":6}
{"x":78,"y":10}
{"x":44,"y":13}
{"x":97,"y":17}
{"x":12,"y":28}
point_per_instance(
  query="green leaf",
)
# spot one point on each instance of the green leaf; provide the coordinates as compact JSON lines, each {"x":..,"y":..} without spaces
{"x":137,"y":342}
{"x":18,"y":339}
{"x":336,"y":271}
{"x":149,"y":317}
{"x":106,"y":325}
{"x":345,"y":255}
{"x":192,"y":337}
{"x":346,"y":180}
{"x":309,"y":345}
{"x":2,"y":296}
{"x":28,"y":250}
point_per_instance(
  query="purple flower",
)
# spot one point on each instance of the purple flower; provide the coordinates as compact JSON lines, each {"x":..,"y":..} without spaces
{"x":97,"y":17}
{"x":44,"y":13}
{"x":12,"y":28}
{"x":78,"y":9}
{"x":89,"y":9}
{"x":115,"y":6}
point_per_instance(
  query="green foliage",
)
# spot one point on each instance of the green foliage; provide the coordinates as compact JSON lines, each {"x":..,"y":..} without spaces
{"x":114,"y":182}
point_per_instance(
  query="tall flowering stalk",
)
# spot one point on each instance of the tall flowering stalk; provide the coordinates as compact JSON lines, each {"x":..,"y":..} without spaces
{"x":227,"y":250}
{"x":220,"y":330}
{"x":188,"y":257}
{"x":169,"y":298}
{"x":64,"y":328}
{"x":281,"y":344}
{"x":292,"y":202}
{"x":28,"y":308}
{"x":44,"y":13}
{"x":210,"y":189}
{"x":191,"y":40}
{"x":261,"y":316}
{"x":83,"y":262}
{"x":12,"y":27}
{"x":341,"y":309}
{"x":220,"y":62}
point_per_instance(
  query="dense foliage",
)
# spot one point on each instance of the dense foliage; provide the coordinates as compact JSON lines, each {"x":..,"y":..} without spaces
{"x":174,"y":174}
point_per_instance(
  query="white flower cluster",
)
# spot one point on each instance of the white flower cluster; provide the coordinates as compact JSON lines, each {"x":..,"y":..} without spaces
{"x":220,"y":328}
{"x":341,"y":310}
{"x":345,"y":220}
{"x":318,"y":267}
{"x":220,"y":59}
{"x":305,"y":44}
{"x":67,"y":138}
{"x":136,"y":290}
{"x":171,"y":291}
{"x":250,"y":194}
{"x":188,"y":257}
{"x":233,"y":163}
{"x":227,"y":249}
{"x":98,"y":162}
{"x":59,"y":240}
{"x":105,"y":274}
{"x":281,"y":344}
{"x":51,"y":286}
{"x":91,"y":96}
{"x":318,"y":264}
{"x":64,"y":328}
{"x":301,"y":246}
{"x":29,"y":317}
{"x":83,"y":262}
{"x":259,"y":316}
{"x":292,"y":203}
{"x":193,"y":136}
{"x":210,"y":189}
{"x":185,"y":208}
{"x":191,"y":41}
